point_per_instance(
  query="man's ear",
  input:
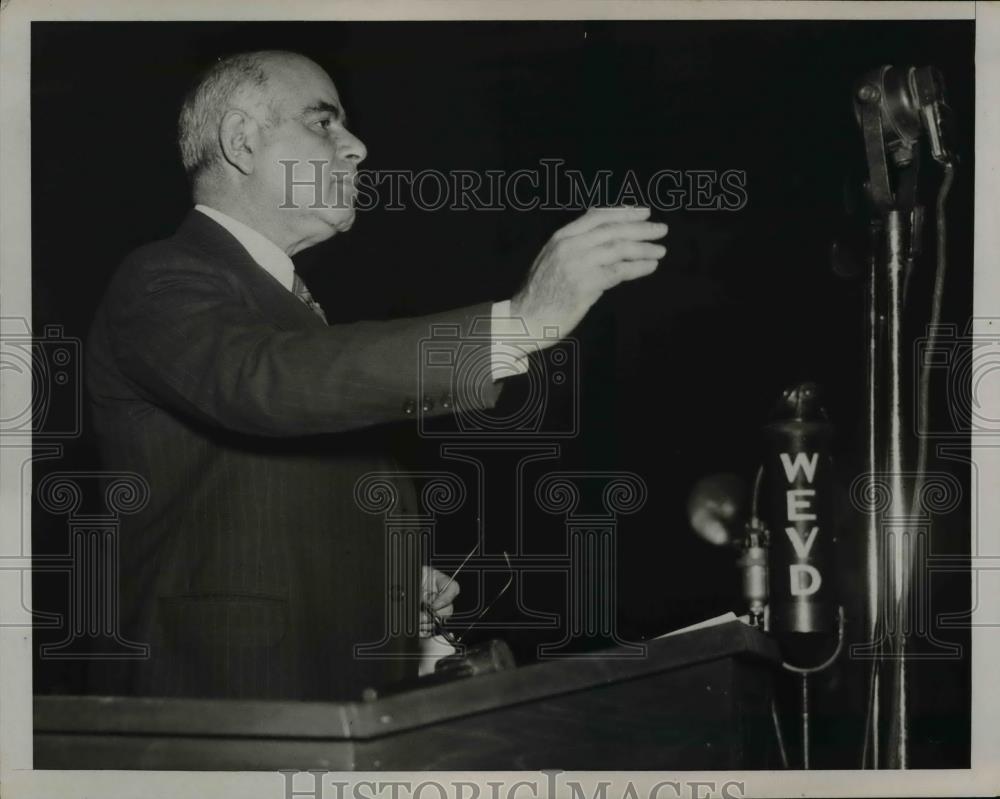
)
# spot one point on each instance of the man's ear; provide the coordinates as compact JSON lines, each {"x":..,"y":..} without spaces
{"x":238,"y":137}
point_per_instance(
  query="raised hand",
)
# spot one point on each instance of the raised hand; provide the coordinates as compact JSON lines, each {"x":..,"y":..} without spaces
{"x":581,"y":261}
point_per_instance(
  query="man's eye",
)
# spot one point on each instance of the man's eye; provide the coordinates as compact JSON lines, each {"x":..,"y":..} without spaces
{"x":325,"y":122}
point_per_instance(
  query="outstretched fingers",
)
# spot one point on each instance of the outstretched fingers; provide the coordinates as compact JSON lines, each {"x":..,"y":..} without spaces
{"x":600,"y":216}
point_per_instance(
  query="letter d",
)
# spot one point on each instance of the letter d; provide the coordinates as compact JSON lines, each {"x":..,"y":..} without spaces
{"x":804,"y":579}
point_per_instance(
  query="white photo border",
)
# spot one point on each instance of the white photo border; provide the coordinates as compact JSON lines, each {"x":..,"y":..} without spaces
{"x":18,"y":779}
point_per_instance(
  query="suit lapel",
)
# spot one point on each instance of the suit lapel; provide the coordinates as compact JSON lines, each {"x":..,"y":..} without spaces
{"x":278,"y":303}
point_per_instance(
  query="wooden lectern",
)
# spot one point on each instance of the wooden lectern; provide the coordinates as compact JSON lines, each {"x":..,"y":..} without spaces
{"x":697,"y":700}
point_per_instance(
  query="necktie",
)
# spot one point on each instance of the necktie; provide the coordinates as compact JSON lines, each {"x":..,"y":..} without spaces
{"x":299,"y":290}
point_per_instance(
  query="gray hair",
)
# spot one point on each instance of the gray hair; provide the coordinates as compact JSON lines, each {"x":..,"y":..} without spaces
{"x":234,"y":81}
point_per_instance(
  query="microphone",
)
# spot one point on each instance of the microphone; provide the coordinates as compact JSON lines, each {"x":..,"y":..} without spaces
{"x":717,"y":511}
{"x":927,"y":85}
{"x":910,"y":100}
{"x":796,"y":509}
{"x":786,"y":550}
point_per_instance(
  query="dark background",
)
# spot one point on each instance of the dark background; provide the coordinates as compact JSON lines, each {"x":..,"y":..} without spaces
{"x":677,"y":372}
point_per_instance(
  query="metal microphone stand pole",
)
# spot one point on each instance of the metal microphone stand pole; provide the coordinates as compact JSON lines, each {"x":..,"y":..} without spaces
{"x":804,"y":683}
{"x":898,"y":218}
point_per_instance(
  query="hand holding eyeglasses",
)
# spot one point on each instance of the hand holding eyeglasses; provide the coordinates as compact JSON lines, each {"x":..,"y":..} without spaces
{"x":437,"y":596}
{"x":440,"y":590}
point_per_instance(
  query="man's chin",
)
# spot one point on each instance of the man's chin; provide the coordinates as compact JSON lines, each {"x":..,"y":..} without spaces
{"x":340,"y":220}
{"x":344,"y":224}
{"x":332,"y":224}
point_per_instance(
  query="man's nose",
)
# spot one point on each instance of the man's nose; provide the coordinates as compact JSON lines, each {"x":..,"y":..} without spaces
{"x":351,"y":148}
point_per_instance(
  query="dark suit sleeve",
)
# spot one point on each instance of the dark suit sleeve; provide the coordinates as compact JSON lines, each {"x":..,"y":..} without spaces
{"x":187,"y":339}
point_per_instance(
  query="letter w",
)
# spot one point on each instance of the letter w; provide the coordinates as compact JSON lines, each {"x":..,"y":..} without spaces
{"x":801,"y":462}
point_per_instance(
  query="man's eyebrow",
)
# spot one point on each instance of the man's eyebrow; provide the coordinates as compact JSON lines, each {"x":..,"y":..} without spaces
{"x":324,"y":107}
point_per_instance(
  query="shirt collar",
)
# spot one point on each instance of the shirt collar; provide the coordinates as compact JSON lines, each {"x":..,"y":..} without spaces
{"x":264,"y":252}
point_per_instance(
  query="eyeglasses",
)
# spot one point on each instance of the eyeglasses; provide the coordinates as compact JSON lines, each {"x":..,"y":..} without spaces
{"x":439,"y":623}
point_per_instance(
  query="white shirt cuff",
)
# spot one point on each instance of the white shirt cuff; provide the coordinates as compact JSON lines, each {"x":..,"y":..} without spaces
{"x":511,"y":343}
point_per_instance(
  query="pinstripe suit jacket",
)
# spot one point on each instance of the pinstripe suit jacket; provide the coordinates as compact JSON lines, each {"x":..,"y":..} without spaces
{"x":252,"y":572}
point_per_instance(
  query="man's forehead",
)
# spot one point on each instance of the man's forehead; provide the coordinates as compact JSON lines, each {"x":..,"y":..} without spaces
{"x":302,"y":84}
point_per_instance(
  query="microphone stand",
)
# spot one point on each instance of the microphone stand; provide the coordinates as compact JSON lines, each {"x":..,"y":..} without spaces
{"x":804,"y":673}
{"x":887,"y":577}
{"x":895,"y":232}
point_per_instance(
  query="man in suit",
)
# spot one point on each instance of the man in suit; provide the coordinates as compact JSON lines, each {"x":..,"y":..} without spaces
{"x":211,"y":372}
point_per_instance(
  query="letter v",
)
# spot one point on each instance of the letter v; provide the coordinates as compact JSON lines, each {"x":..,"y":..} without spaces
{"x":801,"y":549}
